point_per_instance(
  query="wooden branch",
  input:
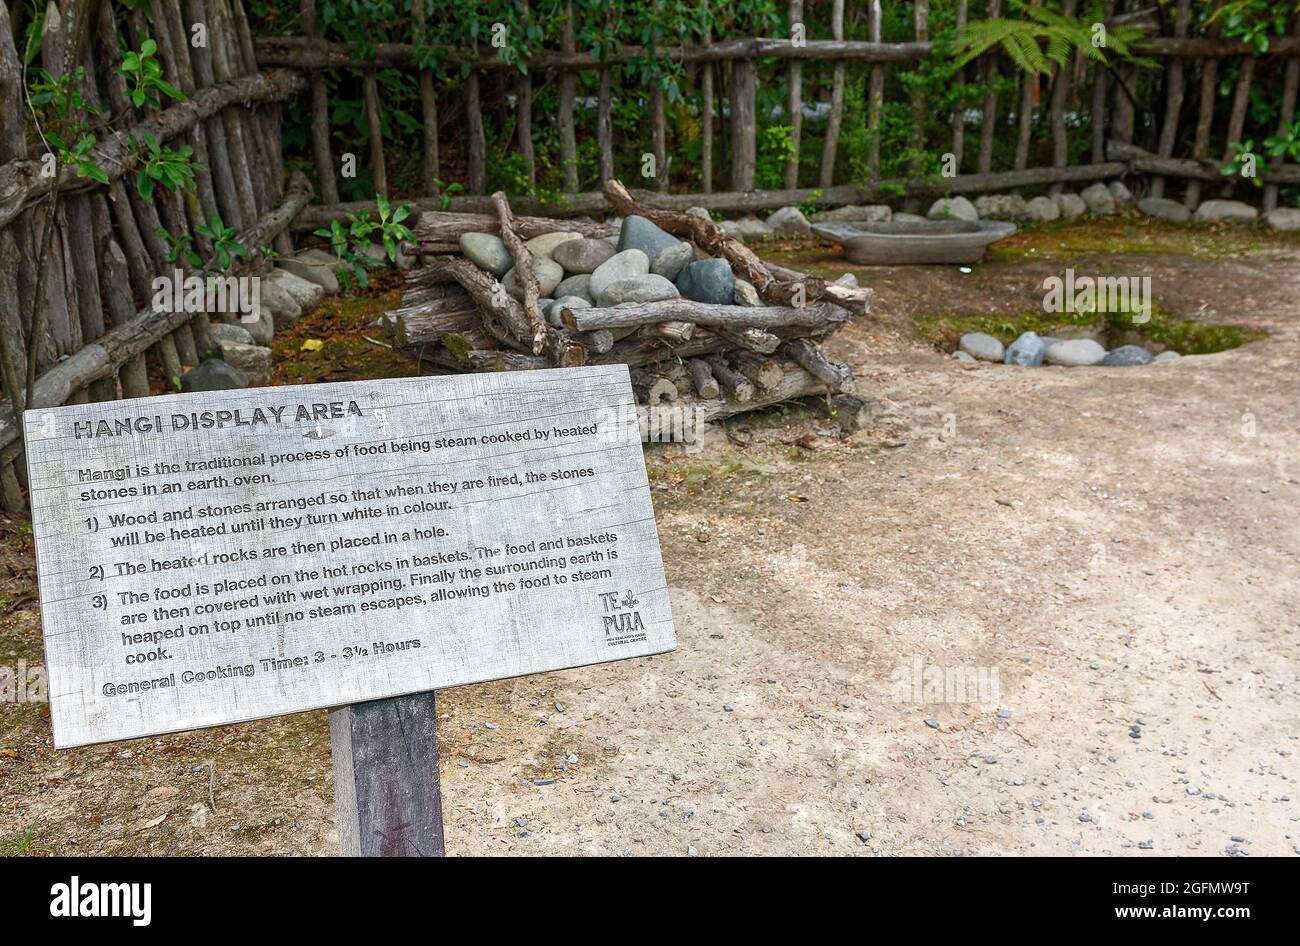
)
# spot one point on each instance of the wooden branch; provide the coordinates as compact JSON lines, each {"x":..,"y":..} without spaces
{"x":1201,"y":169}
{"x":702,"y":379}
{"x":809,"y":357}
{"x":736,"y":385}
{"x":21,"y":182}
{"x":502,"y":314}
{"x":524,"y":273}
{"x":735,"y":317}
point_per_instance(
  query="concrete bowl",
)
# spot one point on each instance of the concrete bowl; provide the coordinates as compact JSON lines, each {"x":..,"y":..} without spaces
{"x":929,"y":241}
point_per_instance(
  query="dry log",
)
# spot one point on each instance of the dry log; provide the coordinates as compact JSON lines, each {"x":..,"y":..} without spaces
{"x":702,"y":379}
{"x":437,"y":226}
{"x":502,"y":314}
{"x":598,"y":342}
{"x":762,"y":372}
{"x":752,"y":339}
{"x":737,"y":386}
{"x":794,"y":383}
{"x":674,"y":333}
{"x":652,"y":389}
{"x":850,"y":411}
{"x":524,"y":273}
{"x":809,"y":357}
{"x":812,"y":317}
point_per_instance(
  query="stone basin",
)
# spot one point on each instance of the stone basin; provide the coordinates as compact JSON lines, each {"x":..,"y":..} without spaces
{"x":928,"y":241}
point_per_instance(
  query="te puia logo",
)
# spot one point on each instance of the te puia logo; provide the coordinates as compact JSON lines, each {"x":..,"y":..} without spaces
{"x":125,"y":900}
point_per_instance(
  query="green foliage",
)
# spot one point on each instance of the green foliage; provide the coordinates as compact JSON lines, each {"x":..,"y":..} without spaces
{"x":350,"y":240}
{"x":1045,"y":37}
{"x":1254,"y":21}
{"x":775,"y":148}
{"x":179,"y":247}
{"x":223,"y":241}
{"x":1243,"y":155}
{"x":1286,"y":146}
{"x":173,"y":169}
{"x":144,"y":77}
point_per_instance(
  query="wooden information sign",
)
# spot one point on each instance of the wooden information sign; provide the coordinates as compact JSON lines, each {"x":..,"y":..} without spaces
{"x":214,"y":558}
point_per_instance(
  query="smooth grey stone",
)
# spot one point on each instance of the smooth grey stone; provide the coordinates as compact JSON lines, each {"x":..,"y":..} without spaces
{"x":963,"y":358}
{"x":283,"y":307}
{"x":1127,"y":355}
{"x":1165,"y":209}
{"x":1071,"y":206}
{"x":1226,"y":211}
{"x":583,"y":255}
{"x":213,"y":375}
{"x":259,"y":324}
{"x":307,"y":294}
{"x":903,"y":217}
{"x":318,"y":269}
{"x":870,"y":213}
{"x":953,"y":208}
{"x":647,"y":288}
{"x":487,"y":251}
{"x":253,"y":360}
{"x":1042,"y":209}
{"x":547,"y":243}
{"x":746,"y":295}
{"x":670,"y":261}
{"x":1121,"y":193}
{"x":708,"y":280}
{"x":790,"y":221}
{"x":1099,"y":199}
{"x":638,"y":233}
{"x":747,"y":230}
{"x":579,"y":286}
{"x":1075,"y":353}
{"x":1164,"y":356}
{"x":548,"y":273}
{"x":1283,"y":218}
{"x":224,"y":332}
{"x":981,"y":346}
{"x":700,"y":212}
{"x":622,"y":265}
{"x":1026,"y":351}
{"x":1001,"y":207}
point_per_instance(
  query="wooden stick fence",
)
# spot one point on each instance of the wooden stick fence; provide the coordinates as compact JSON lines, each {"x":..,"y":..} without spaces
{"x":735,"y":62}
{"x":94,"y":325}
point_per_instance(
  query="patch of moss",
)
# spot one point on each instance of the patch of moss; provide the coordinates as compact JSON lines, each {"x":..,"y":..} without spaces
{"x":1185,"y":336}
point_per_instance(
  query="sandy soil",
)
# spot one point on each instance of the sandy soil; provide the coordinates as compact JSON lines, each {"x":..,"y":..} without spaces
{"x":1117,"y":546}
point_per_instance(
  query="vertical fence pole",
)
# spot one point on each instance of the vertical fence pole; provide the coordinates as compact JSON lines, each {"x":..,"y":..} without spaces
{"x":989,"y":110}
{"x":568,"y":87}
{"x":794,"y":78}
{"x":836,"y":116}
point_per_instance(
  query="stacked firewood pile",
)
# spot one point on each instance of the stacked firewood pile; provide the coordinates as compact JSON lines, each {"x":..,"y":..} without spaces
{"x":698,"y":317}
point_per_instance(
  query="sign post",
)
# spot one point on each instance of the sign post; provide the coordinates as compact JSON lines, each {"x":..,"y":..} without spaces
{"x":386,"y":787}
{"x":215,"y":558}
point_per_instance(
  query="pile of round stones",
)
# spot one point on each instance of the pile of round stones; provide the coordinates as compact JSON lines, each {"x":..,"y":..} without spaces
{"x":1031,"y":350}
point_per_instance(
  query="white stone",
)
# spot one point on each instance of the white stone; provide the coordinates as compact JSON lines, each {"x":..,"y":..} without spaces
{"x":1225,"y":211}
{"x":952,"y":208}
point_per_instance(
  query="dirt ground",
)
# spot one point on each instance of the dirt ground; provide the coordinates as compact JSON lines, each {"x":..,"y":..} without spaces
{"x":1105,"y":563}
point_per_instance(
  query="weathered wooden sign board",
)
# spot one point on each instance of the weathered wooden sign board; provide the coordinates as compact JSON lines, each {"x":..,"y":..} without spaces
{"x":215,"y":558}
